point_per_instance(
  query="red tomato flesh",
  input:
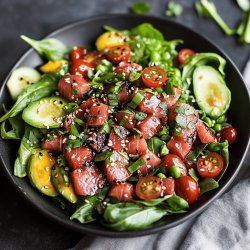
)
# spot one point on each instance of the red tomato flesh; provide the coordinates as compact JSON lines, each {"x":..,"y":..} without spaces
{"x":184,"y":54}
{"x":77,"y":53}
{"x":187,"y":188}
{"x":210,"y":165}
{"x":229,"y":134}
{"x":173,"y":160}
{"x":119,"y":53}
{"x":154,"y":77}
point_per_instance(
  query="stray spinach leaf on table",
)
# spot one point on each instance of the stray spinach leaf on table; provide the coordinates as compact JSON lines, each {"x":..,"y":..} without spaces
{"x":140,"y":8}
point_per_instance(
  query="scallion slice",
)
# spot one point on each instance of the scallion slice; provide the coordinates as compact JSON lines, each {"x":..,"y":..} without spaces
{"x":134,"y":166}
{"x":136,"y":100}
{"x":102,"y":156}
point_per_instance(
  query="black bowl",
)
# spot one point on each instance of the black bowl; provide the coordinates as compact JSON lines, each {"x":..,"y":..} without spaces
{"x":85,"y":32}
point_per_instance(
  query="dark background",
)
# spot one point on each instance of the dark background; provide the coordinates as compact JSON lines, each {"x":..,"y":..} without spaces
{"x":21,"y":226}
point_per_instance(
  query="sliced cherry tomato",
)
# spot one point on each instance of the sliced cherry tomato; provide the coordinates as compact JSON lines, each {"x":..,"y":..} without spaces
{"x":116,"y":54}
{"x":210,"y":165}
{"x":136,"y":145}
{"x":148,"y":188}
{"x":173,"y":160}
{"x":126,"y":119}
{"x":184,"y":54}
{"x":168,"y":186}
{"x":87,"y":180}
{"x":77,"y":157}
{"x":73,"y":87}
{"x":122,"y":192}
{"x":94,"y":57}
{"x":187,"y":188}
{"x":81,"y":67}
{"x":77,"y":53}
{"x":154,"y":77}
{"x":126,"y":68}
{"x":117,"y":171}
{"x":150,"y":126}
{"x":117,"y":140}
{"x":229,"y":134}
{"x":177,"y":145}
{"x":151,"y":162}
{"x":98,"y":114}
{"x":54,"y":145}
{"x":205,"y":135}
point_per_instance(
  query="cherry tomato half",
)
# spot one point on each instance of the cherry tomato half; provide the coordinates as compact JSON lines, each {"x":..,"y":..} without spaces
{"x":184,"y":54}
{"x":148,"y":188}
{"x":116,"y":54}
{"x":229,"y":134}
{"x":187,"y":188}
{"x":154,"y":77}
{"x":77,"y":53}
{"x":210,"y":165}
{"x":81,"y":67}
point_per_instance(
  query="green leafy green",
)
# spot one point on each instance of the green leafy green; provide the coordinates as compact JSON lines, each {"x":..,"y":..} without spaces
{"x":136,"y":165}
{"x":174,"y":9}
{"x":131,"y":216}
{"x":29,"y":143}
{"x":103,"y":156}
{"x":201,"y":59}
{"x":17,"y":128}
{"x":45,"y":87}
{"x":176,"y":203}
{"x":155,"y":144}
{"x":147,"y":30}
{"x":51,"y":48}
{"x":140,"y":8}
{"x":244,"y":29}
{"x":211,"y":11}
{"x":134,"y":75}
{"x":193,"y":174}
{"x":207,"y":185}
{"x":196,"y":152}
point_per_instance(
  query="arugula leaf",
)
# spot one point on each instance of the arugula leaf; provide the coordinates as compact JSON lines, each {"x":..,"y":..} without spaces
{"x":207,"y":185}
{"x":174,"y":9}
{"x":50,"y":48}
{"x":211,"y":10}
{"x":140,"y":8}
{"x":147,"y":30}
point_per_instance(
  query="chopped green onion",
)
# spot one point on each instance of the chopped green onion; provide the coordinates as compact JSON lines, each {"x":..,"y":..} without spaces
{"x":164,"y":150}
{"x":162,"y":176}
{"x":70,"y":107}
{"x":136,"y":100}
{"x":79,"y":122}
{"x":140,"y":116}
{"x":137,"y":164}
{"x":106,"y":128}
{"x":113,"y":100}
{"x":102,"y":156}
{"x":137,"y":131}
{"x":134,"y":75}
{"x":74,"y":130}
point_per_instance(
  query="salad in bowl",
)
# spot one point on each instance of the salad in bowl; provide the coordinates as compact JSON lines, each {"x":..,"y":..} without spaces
{"x":126,"y":132}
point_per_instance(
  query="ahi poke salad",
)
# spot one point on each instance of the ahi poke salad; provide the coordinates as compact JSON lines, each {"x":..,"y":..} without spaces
{"x":125,"y":132}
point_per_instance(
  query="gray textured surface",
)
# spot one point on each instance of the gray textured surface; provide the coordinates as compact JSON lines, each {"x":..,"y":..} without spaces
{"x":21,"y":226}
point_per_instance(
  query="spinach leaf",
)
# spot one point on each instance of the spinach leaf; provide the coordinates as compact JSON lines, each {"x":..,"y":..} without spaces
{"x":176,"y":203}
{"x":17,"y":128}
{"x":45,"y":87}
{"x":140,"y":8}
{"x":207,"y":185}
{"x":50,"y":48}
{"x":201,"y":59}
{"x":193,"y":174}
{"x":147,"y":30}
{"x":211,"y":11}
{"x":131,"y":216}
{"x":87,"y":207}
{"x":174,"y":9}
{"x":195,"y":152}
{"x":155,"y":144}
{"x":29,"y":143}
{"x":153,"y":202}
